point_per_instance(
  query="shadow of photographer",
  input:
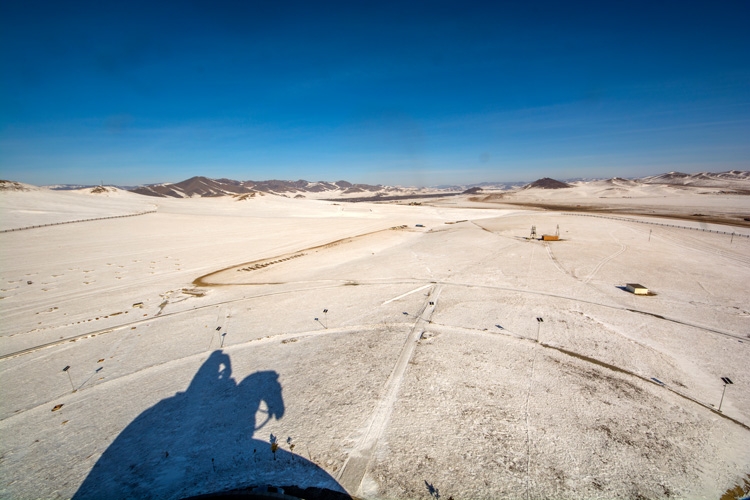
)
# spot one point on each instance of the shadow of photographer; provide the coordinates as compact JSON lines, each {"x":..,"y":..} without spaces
{"x":201,"y":441}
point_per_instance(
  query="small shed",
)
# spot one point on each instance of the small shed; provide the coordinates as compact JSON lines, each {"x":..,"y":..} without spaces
{"x":551,"y":237}
{"x":636,"y":289}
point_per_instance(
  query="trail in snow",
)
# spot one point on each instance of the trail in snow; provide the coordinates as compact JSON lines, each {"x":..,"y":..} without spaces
{"x":604,"y":261}
{"x":365,"y":283}
{"x":359,"y":458}
{"x":405,"y":294}
{"x":528,"y":432}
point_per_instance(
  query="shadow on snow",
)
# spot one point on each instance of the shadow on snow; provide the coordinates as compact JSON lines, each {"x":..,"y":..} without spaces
{"x":201,"y":441}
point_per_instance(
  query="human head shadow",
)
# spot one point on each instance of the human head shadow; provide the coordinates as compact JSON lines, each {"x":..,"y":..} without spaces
{"x":201,"y":441}
{"x":432,"y":490}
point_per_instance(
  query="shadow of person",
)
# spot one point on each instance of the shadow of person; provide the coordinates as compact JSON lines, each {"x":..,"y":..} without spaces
{"x":201,"y":441}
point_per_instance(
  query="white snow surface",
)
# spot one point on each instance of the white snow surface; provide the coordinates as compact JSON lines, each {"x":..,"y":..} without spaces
{"x":195,"y":330}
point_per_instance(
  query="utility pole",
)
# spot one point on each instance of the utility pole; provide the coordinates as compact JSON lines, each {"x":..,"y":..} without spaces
{"x":539,"y":322}
{"x":325,"y":318}
{"x":66,"y":370}
{"x":727,"y":382}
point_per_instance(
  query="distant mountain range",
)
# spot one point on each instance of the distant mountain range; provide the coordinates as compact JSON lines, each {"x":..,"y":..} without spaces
{"x":734,"y":179}
{"x":702,"y":179}
{"x":205,"y":187}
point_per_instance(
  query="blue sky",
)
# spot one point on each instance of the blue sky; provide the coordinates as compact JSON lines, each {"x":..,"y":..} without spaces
{"x":411,"y":93}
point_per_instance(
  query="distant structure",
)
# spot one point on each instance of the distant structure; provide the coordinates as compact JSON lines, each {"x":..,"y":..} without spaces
{"x":636,"y":289}
{"x":552,"y":237}
{"x":533,"y":233}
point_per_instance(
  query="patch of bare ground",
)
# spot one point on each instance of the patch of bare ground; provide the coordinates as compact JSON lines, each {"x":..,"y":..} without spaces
{"x":739,"y":491}
{"x":624,"y":387}
{"x":11,"y":186}
{"x":246,"y":196}
{"x":741,"y":192}
{"x":204,"y":280}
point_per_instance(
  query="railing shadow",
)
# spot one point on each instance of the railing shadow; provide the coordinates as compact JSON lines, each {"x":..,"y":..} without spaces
{"x":201,"y":442}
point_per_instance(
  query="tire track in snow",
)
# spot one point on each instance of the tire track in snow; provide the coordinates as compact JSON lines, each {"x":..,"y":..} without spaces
{"x":681,"y":239}
{"x":557,"y":263}
{"x":203,"y":281}
{"x":528,"y":436}
{"x":121,"y":327}
{"x":617,"y":369}
{"x":581,"y":357}
{"x":405,"y":294}
{"x":705,"y":289}
{"x":356,"y":329}
{"x":356,"y":465}
{"x":593,"y":272}
{"x":125,"y":326}
{"x":531,"y":261}
{"x":601,"y":264}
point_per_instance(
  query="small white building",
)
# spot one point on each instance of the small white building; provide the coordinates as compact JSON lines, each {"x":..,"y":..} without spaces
{"x":636,"y":289}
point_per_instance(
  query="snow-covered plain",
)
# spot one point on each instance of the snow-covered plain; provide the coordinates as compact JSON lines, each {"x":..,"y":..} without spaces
{"x":197,"y":332}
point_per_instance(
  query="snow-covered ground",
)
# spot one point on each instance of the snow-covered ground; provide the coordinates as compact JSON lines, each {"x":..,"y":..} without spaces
{"x":386,"y":359}
{"x":625,"y":196}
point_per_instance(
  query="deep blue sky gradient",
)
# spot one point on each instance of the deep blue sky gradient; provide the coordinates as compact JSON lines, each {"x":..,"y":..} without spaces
{"x":423,"y":93}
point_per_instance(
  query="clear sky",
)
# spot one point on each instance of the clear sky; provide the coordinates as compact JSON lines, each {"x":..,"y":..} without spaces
{"x":411,"y":93}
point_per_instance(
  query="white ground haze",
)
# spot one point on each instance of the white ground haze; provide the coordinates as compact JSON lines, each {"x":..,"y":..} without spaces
{"x":425,"y":376}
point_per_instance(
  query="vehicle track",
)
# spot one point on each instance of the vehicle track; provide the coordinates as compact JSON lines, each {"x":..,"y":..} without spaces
{"x":376,"y":425}
{"x":491,"y":255}
{"x":683,"y":239}
{"x":557,"y":263}
{"x":528,"y":433}
{"x":281,"y":251}
{"x":204,"y":280}
{"x":593,"y":272}
{"x":357,"y":463}
{"x":611,"y":306}
{"x":124,"y":326}
{"x":372,"y":283}
{"x":590,"y":360}
{"x":604,"y":261}
{"x":269,"y":338}
{"x":645,"y":379}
